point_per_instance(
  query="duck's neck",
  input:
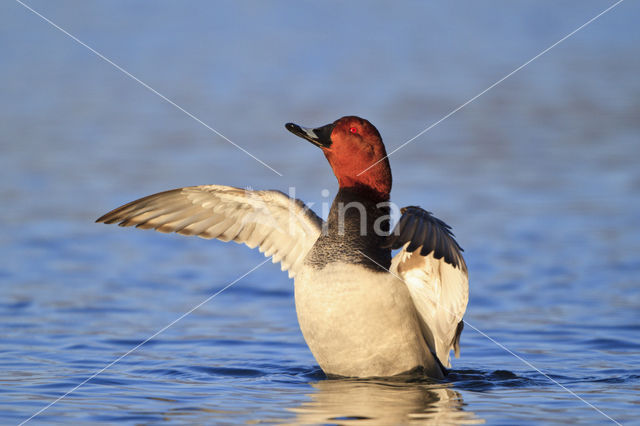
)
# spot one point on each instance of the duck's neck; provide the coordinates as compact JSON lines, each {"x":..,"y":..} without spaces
{"x":356,"y":228}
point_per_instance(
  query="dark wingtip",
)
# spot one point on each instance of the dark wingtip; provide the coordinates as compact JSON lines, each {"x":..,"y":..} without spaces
{"x":108,"y":218}
{"x":432,"y":236}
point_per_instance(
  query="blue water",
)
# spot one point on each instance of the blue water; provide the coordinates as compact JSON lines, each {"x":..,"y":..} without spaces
{"x":539,"y":178}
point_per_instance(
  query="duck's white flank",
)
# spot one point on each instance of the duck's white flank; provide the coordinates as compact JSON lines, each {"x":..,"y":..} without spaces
{"x":360,"y":323}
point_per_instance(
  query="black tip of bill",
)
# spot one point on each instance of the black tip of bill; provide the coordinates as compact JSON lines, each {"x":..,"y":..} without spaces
{"x":320,"y":137}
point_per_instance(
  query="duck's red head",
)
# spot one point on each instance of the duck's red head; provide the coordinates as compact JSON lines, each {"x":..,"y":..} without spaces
{"x":352,"y":145}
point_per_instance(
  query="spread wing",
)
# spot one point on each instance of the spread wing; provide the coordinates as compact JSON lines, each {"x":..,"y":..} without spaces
{"x":279,"y":225}
{"x":432,"y":266}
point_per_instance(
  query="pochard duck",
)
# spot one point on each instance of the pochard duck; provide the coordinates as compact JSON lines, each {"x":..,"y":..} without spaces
{"x":361,"y":312}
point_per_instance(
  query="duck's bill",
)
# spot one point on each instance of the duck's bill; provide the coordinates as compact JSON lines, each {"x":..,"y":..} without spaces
{"x":319,"y":137}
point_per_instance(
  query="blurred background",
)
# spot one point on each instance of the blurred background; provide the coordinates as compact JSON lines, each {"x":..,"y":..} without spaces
{"x":539,"y":178}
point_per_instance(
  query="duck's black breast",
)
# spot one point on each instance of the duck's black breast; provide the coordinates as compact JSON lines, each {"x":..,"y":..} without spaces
{"x":355,"y":232}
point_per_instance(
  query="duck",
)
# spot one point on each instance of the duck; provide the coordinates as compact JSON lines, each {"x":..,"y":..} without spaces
{"x":362,"y":312}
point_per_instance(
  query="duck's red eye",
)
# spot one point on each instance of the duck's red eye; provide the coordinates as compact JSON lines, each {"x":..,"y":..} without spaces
{"x":353,"y":130}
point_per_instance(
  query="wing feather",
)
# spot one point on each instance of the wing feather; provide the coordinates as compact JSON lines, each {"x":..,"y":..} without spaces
{"x":270,"y":220}
{"x":436,"y":276}
{"x":419,"y":234}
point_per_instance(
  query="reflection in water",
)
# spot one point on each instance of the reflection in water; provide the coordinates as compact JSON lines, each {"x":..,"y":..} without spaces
{"x":382,"y":402}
